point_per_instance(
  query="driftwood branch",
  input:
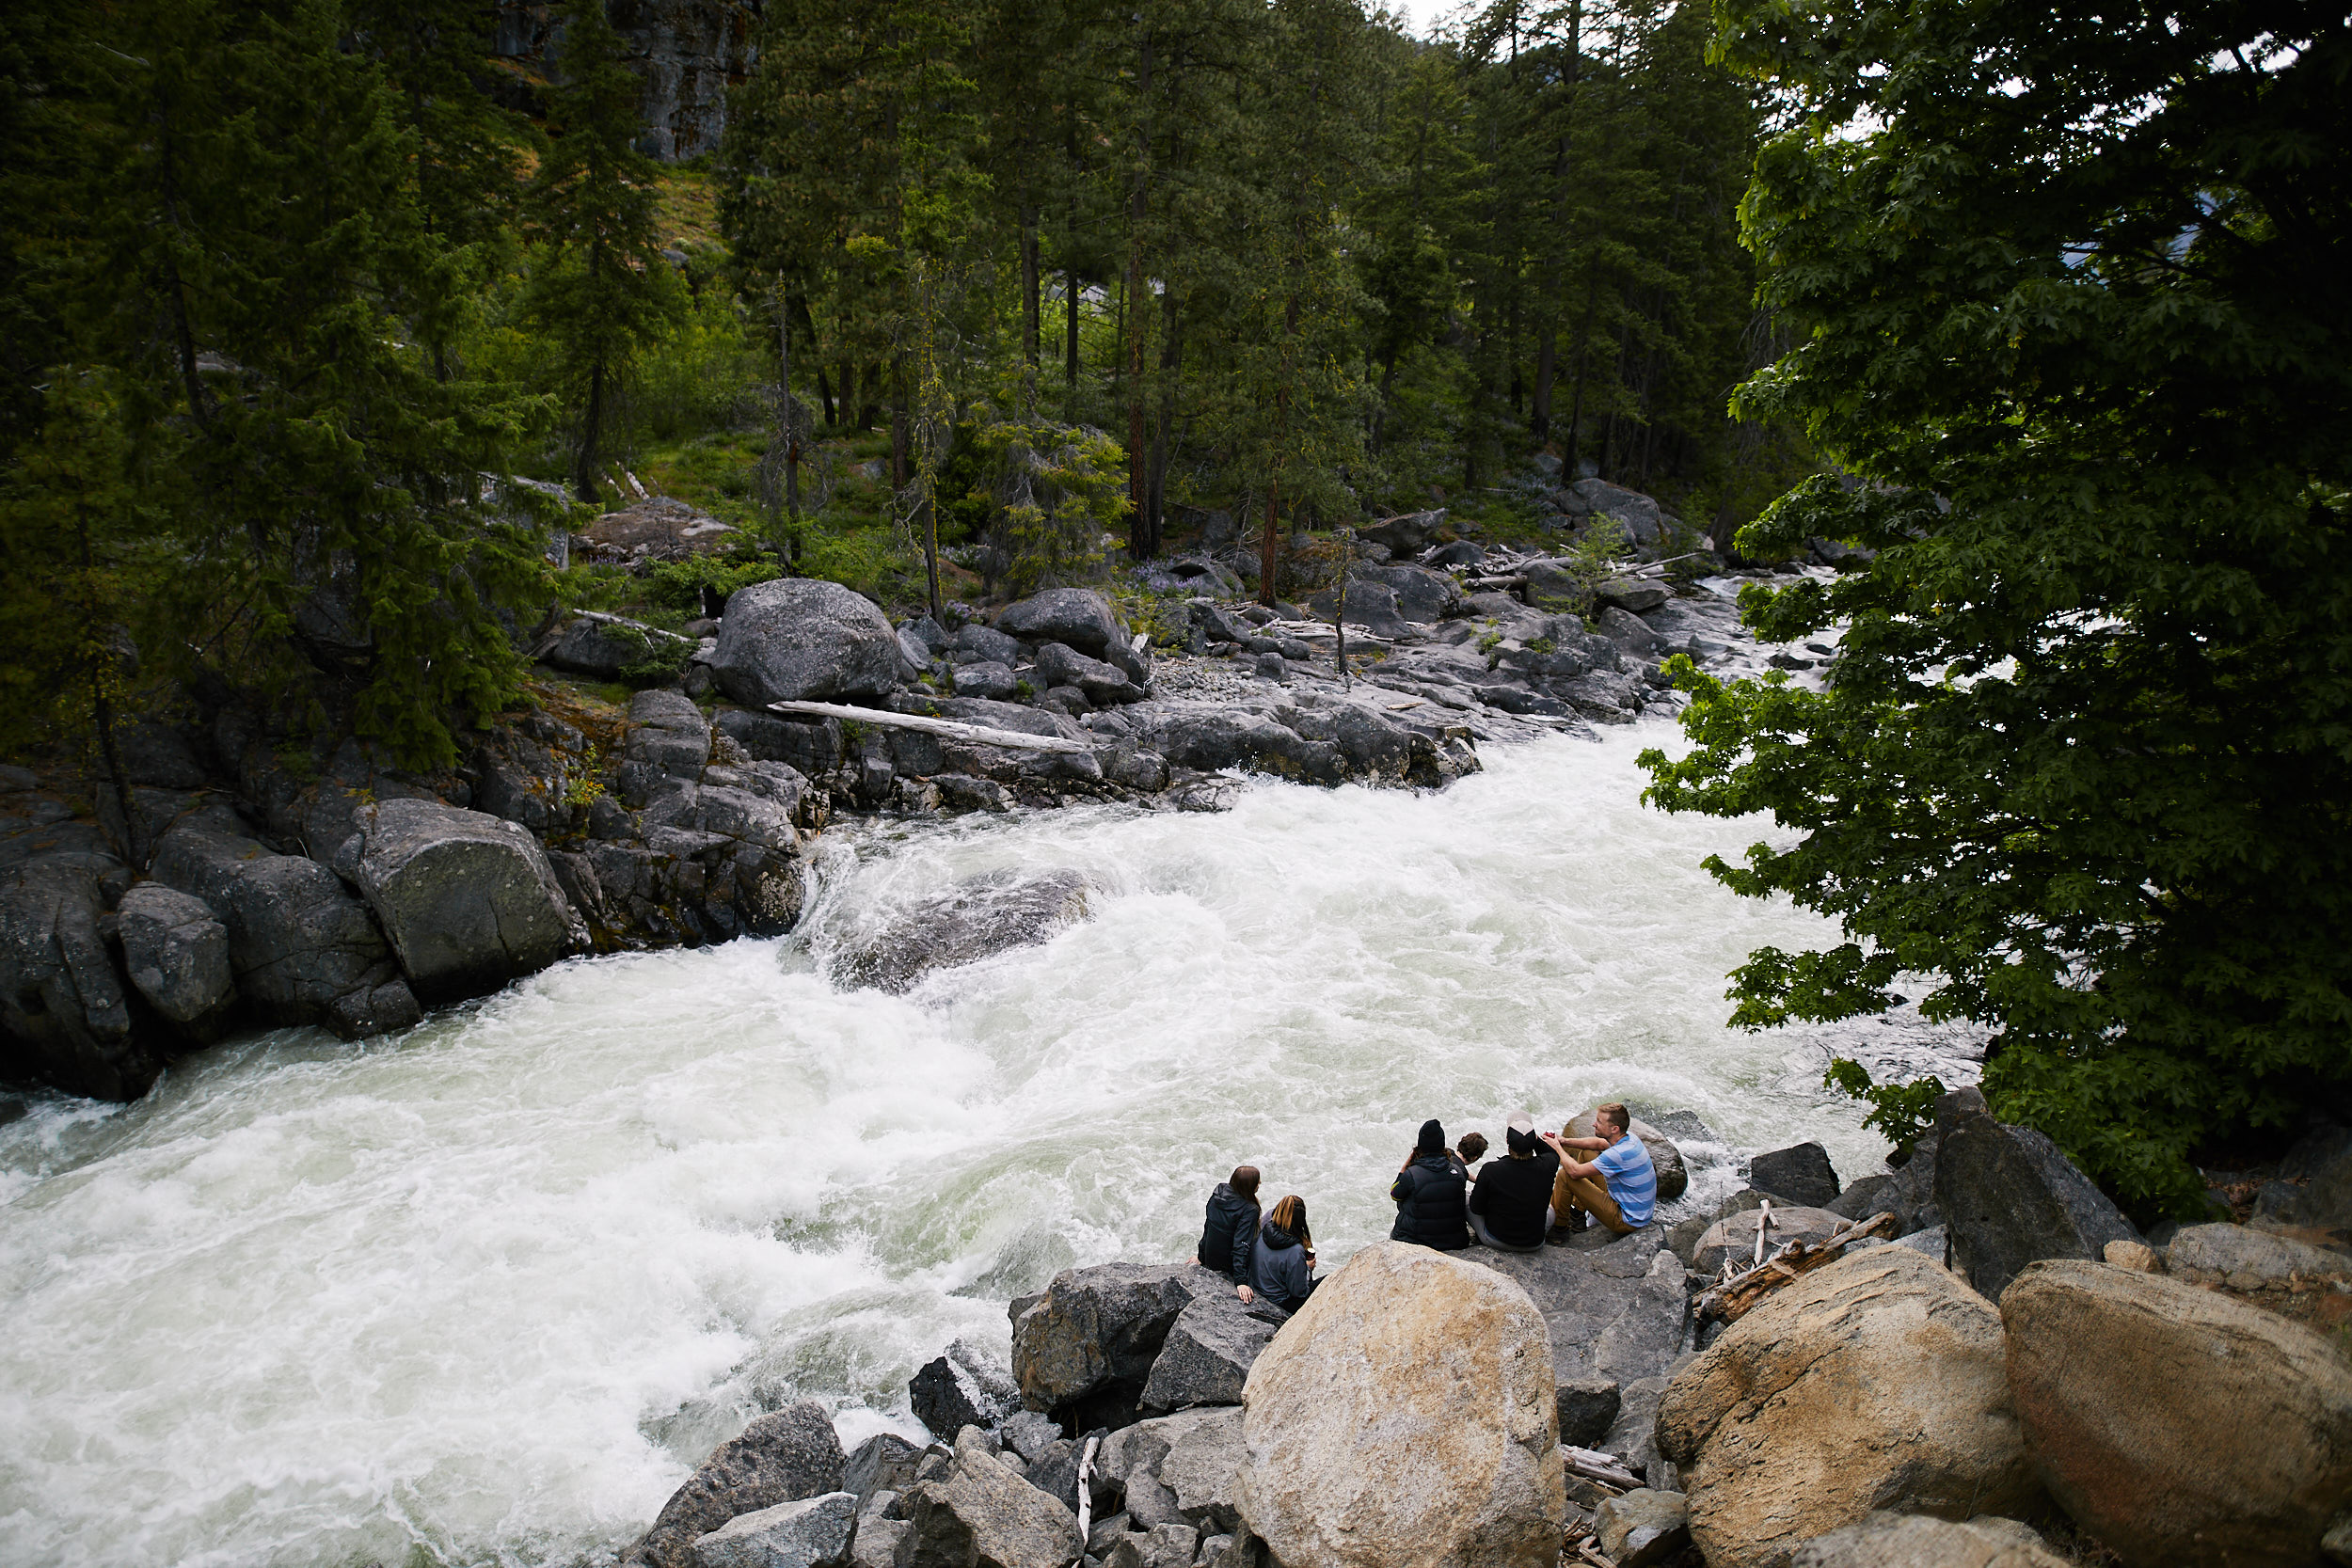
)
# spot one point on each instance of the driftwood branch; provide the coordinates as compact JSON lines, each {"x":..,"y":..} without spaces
{"x":1603,"y":1467}
{"x":977,"y":734}
{"x":1734,"y":1298}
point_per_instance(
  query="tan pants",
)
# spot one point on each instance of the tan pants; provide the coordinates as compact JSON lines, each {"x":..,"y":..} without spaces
{"x":1590,"y":1193}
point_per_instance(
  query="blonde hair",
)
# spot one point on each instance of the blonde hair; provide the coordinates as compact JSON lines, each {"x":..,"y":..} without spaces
{"x":1291,"y":1214}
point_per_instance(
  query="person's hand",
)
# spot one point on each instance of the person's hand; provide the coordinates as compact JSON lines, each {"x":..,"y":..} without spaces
{"x":1247,"y":1294}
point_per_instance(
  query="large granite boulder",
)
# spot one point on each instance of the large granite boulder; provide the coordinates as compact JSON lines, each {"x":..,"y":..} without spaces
{"x":1370,"y":605}
{"x":468,"y":901}
{"x":63,"y":1009}
{"x":1407,"y":534}
{"x":305,"y":951}
{"x":1105,"y":685}
{"x":983,"y":1514}
{"x":984,"y":916}
{"x":1080,"y":617}
{"x":782,"y":1457}
{"x":1405,"y":1416}
{"x":1207,"y":739}
{"x":1876,"y":1382}
{"x":1637,"y":511}
{"x":2241,"y":1259}
{"x":1209,"y":1351}
{"x":1673,"y":1175}
{"x":1421,"y":595}
{"x":2010,"y":1199}
{"x":2179,"y":1427}
{"x":1917,"y":1541}
{"x":812,"y":747}
{"x":1801,"y":1175}
{"x":803,"y":638}
{"x":813,"y":1532}
{"x":176,"y":952}
{"x":1083,"y":1350}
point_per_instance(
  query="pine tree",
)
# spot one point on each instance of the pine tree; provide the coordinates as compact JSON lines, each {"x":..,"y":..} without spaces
{"x":599,"y":286}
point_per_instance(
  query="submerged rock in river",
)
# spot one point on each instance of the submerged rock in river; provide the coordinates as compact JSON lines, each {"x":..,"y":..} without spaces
{"x":980,"y":918}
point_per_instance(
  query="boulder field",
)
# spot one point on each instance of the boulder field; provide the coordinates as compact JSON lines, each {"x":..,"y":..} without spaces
{"x":1578,"y":1405}
{"x":257,"y":879}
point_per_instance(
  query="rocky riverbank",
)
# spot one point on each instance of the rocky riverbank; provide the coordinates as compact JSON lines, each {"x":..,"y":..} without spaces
{"x":258,"y":881}
{"x":2008,"y":1376}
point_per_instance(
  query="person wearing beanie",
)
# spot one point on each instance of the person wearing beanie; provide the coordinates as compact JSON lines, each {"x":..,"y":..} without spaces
{"x":1428,"y":1194}
{"x":1510,"y":1208}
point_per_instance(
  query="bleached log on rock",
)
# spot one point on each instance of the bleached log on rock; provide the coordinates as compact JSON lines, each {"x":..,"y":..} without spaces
{"x":1734,"y":1298}
{"x":977,"y":734}
{"x":1606,"y":1468}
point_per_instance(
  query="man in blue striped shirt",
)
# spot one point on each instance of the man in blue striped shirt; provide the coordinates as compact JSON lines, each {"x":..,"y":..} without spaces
{"x":1618,"y":1185}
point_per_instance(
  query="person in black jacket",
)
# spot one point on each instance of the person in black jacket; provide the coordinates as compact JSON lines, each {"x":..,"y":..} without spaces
{"x":1282,"y":1264}
{"x":1232,"y":1228}
{"x":1428,"y":1194}
{"x":1510,"y":1205}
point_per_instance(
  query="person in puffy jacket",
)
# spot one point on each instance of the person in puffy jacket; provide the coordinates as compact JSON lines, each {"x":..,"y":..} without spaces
{"x":1282,"y":1262}
{"x":1428,"y":1192}
{"x":1232,"y":1228}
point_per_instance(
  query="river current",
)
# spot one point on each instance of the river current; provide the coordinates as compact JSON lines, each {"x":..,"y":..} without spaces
{"x":485,"y":1291}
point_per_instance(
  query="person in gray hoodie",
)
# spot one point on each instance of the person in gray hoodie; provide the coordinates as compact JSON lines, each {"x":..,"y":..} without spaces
{"x":1282,"y":1264}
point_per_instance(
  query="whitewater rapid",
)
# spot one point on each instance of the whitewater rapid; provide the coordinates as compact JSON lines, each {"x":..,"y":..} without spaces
{"x":485,"y":1291}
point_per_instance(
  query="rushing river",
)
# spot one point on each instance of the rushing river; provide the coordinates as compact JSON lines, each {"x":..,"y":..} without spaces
{"x":483,"y":1292}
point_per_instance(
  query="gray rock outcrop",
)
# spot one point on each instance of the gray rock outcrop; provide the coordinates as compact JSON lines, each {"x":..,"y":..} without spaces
{"x":63,"y":1009}
{"x":1079,"y":617}
{"x":1405,"y":1416}
{"x":782,"y":1457}
{"x":1875,"y":1382}
{"x":467,"y":902}
{"x":1615,"y":1308}
{"x":1801,"y":1175}
{"x":982,"y":917}
{"x":175,"y":951}
{"x":801,"y":637}
{"x":305,"y":951}
{"x":2179,"y":1427}
{"x":2010,"y":1199}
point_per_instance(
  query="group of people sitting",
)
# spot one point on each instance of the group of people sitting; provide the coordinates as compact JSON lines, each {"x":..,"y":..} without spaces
{"x":1540,"y":1191}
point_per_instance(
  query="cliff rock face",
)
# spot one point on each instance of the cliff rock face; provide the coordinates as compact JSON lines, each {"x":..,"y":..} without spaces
{"x":686,"y":52}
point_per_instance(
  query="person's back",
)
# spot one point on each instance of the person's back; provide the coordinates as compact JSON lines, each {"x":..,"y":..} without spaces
{"x":1282,"y":1263}
{"x":1230,"y":1228}
{"x":1429,"y":1196}
{"x":1511,"y":1205}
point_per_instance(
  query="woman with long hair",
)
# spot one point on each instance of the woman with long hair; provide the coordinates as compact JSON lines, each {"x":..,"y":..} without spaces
{"x":1282,"y":1260}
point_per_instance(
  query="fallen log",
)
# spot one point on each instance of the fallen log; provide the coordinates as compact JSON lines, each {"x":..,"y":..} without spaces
{"x":1603,"y":1467}
{"x":1734,"y":1298}
{"x":977,"y":734}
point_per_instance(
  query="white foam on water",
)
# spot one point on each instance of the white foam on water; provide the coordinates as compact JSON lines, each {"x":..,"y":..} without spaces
{"x":483,"y":1292}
